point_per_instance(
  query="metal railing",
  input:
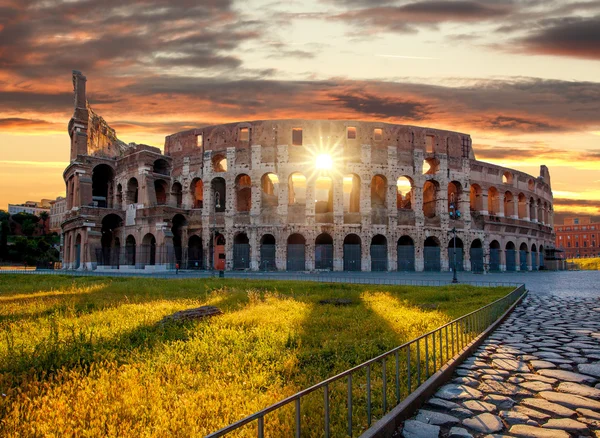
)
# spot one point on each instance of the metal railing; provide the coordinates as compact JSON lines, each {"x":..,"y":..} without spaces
{"x":353,"y":399}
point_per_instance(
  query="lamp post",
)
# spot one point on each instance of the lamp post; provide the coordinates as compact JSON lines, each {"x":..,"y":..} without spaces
{"x":454,"y":279}
{"x":213,"y":234}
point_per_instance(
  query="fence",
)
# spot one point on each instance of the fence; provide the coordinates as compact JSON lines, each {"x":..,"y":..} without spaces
{"x":352,"y":400}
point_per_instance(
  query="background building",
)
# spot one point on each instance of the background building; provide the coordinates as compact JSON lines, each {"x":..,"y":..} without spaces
{"x":31,"y":207}
{"x":298,"y":195}
{"x":58,"y":210}
{"x":578,"y":237}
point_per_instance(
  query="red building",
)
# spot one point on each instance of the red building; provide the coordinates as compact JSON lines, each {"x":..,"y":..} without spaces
{"x":578,"y":237}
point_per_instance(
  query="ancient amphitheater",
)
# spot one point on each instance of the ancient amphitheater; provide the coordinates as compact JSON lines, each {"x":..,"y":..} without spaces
{"x":297,"y":195}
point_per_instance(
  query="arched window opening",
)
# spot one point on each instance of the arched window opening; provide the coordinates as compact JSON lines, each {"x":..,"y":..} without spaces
{"x":431,"y":166}
{"x":352,"y":253}
{"x":523,"y":251}
{"x":404,"y":193}
{"x":148,"y":250}
{"x":130,"y":250}
{"x":522,"y":206}
{"x":323,"y":195}
{"x":197,"y":189}
{"x":378,"y":192}
{"x":270,"y":190}
{"x":534,"y":257}
{"x":102,"y":186}
{"x":243,"y":189}
{"x":454,"y":192}
{"x":219,"y":163}
{"x":476,"y":198}
{"x":324,"y":252}
{"x":476,"y":256}
{"x":297,"y":189}
{"x":509,"y":204}
{"x":161,"y":167}
{"x":132,"y":191}
{"x":507,"y":178}
{"x":160,"y":188}
{"x":218,"y":187}
{"x":511,"y":257}
{"x":430,"y":190}
{"x":351,"y":189}
{"x":177,"y":194}
{"x":494,"y":261}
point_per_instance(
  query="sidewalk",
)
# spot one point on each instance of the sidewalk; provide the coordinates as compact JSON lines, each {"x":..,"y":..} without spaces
{"x":536,"y":376}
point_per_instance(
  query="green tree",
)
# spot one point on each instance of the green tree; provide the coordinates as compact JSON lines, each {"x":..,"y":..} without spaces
{"x":44,"y":217}
{"x":28,"y":227}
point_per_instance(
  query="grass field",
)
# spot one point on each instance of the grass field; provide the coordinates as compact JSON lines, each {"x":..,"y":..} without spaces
{"x":590,"y":264}
{"x":87,"y":356}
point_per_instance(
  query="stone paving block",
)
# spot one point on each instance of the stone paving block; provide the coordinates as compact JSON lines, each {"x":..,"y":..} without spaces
{"x":593,"y":369}
{"x":522,"y":430}
{"x":502,"y":401}
{"x":479,"y":406}
{"x":416,"y":429}
{"x":459,"y":432}
{"x":566,"y":424}
{"x":502,"y":388}
{"x":545,"y":405}
{"x":536,"y":386}
{"x":484,"y":423}
{"x":577,"y":389}
{"x":441,"y":403}
{"x":437,"y":418}
{"x":589,"y":413}
{"x":567,"y":376}
{"x":510,"y":365}
{"x":541,"y":364}
{"x":511,"y":418}
{"x":570,"y":400}
{"x":458,"y":392}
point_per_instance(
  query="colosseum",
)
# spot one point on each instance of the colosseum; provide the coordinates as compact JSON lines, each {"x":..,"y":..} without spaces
{"x":297,"y":195}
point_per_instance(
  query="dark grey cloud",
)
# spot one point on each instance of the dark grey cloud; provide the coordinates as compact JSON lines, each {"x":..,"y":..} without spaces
{"x":533,"y":151}
{"x":573,"y":37}
{"x":380,"y":106}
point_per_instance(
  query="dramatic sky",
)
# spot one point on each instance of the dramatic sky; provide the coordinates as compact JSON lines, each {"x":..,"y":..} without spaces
{"x":521,"y":76}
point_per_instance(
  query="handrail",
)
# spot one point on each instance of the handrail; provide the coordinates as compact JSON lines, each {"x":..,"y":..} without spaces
{"x":470,"y":324}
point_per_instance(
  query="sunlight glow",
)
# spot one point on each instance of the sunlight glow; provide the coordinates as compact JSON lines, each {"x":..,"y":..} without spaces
{"x":324,"y":162}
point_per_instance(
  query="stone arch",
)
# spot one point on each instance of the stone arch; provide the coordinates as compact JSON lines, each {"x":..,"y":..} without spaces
{"x":476,"y":255}
{"x":161,"y":167}
{"x":430,"y":195}
{"x":243,"y":193}
{"x":406,"y":253}
{"x":219,"y":257}
{"x":404,"y":193}
{"x":379,"y":253}
{"x":523,"y":253}
{"x":195,"y":252}
{"x":431,"y":166}
{"x":378,"y":192}
{"x":532,"y":211}
{"x":495,"y":256}
{"x":132,"y":191}
{"x":542,"y":256}
{"x":77,"y":255}
{"x":476,"y":198}
{"x":509,"y":204}
{"x":219,"y":189}
{"x":160,"y":188}
{"x":269,"y":184}
{"x":109,"y":252}
{"x":178,"y":223}
{"x":454,"y":194}
{"x":432,"y":254}
{"x":102,"y":185}
{"x":219,"y":163}
{"x":352,"y":252}
{"x":268,"y":251}
{"x":522,"y":206}
{"x":148,"y":250}
{"x":177,"y":194}
{"x":296,"y":189}
{"x":511,"y":256}
{"x":241,"y":251}
{"x":197,"y":191}
{"x":351,"y":190}
{"x":507,"y":177}
{"x":323,"y":197}
{"x":493,"y":201}
{"x":130,"y":250}
{"x":324,"y":252}
{"x":456,"y":248}
{"x":534,"y":257}
{"x":296,"y":252}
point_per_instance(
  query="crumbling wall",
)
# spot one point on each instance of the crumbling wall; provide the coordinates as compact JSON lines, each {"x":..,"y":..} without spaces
{"x":102,"y":139}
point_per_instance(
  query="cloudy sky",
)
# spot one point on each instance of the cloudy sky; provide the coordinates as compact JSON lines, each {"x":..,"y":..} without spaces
{"x":521,"y":76}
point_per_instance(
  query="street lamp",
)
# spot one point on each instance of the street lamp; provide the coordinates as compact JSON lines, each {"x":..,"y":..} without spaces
{"x":454,"y":279}
{"x":213,"y":234}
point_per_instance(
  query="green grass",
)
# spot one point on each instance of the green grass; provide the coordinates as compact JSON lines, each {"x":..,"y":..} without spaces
{"x":86,"y":356}
{"x":589,"y":264}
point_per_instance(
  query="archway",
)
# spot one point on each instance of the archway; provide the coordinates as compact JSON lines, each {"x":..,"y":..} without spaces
{"x":454,"y":193}
{"x":132,"y":191}
{"x":297,"y":189}
{"x":404,"y":193}
{"x":160,"y":188}
{"x":493,"y":201}
{"x":534,"y":257}
{"x":378,"y":192}
{"x":476,"y":198}
{"x":509,"y":205}
{"x":130,"y":251}
{"x":352,"y":253}
{"x":523,"y":257}
{"x":197,"y":190}
{"x":532,"y":214}
{"x":406,"y":254}
{"x":218,"y":187}
{"x":522,"y":206}
{"x":177,"y":224}
{"x":323,"y":198}
{"x":511,"y":257}
{"x":296,"y":259}
{"x":177,"y":194}
{"x":430,"y":189}
{"x":378,"y":251}
{"x":102,"y":185}
{"x":495,"y":256}
{"x":432,"y":255}
{"x":148,"y":250}
{"x":324,"y":252}
{"x":270,"y":190}
{"x":195,"y":253}
{"x":241,"y":251}
{"x":77,"y":252}
{"x":108,"y":254}
{"x":243,"y":193}
{"x":268,"y":253}
{"x":218,"y":252}
{"x":351,"y":191}
{"x":476,"y":256}
{"x":219,"y":163}
{"x":455,"y":249}
{"x":161,"y":167}
{"x":541,"y":257}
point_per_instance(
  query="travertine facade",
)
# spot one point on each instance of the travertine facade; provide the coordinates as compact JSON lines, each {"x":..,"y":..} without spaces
{"x":268,"y":197}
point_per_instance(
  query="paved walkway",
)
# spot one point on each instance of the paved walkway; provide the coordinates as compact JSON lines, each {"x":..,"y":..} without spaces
{"x":536,"y":376}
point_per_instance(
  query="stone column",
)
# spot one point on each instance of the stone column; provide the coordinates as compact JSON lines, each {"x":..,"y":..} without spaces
{"x":484,"y":202}
{"x":338,"y":200}
{"x":515,"y":207}
{"x":254,"y":249}
{"x":419,"y":256}
{"x":366,"y":253}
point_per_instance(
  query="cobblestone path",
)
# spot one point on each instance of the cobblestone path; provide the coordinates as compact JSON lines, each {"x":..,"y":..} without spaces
{"x":536,"y":376}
